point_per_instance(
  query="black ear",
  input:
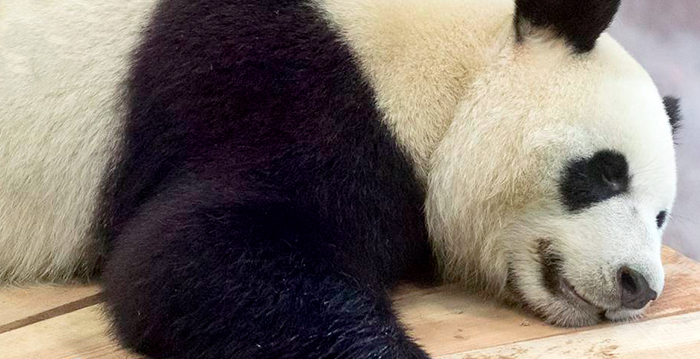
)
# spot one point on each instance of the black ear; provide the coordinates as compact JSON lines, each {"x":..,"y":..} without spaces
{"x":673,"y":109}
{"x":580,"y":22}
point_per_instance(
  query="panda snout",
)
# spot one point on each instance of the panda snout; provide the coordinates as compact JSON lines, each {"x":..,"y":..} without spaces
{"x":634,"y":289}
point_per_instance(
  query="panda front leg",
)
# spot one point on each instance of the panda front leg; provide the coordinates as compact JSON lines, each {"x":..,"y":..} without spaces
{"x":230,"y":281}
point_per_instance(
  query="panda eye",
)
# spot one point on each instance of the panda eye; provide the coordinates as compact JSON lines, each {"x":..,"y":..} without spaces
{"x":613,"y":172}
{"x":661,"y":219}
{"x":613,"y":184}
{"x":587,"y":181}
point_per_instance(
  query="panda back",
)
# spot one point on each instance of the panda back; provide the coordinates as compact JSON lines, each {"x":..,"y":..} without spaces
{"x":264,"y":101}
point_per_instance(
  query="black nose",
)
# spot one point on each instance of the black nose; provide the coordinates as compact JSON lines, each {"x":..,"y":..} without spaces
{"x":635,"y":289}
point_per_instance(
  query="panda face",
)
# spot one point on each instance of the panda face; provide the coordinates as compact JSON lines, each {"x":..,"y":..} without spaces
{"x":593,"y":252}
{"x":546,"y":150}
{"x":562,"y":192}
{"x":592,"y":249}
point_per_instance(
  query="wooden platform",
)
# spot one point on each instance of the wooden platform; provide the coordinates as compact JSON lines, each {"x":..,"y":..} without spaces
{"x":67,"y":322}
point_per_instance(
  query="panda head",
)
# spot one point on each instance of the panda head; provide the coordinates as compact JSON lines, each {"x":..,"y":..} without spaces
{"x":554,"y":183}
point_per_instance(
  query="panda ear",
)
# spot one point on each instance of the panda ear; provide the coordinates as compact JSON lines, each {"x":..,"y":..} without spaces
{"x":673,"y":109}
{"x":579,"y":22}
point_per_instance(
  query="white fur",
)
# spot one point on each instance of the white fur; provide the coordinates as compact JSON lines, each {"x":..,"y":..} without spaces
{"x":566,"y":107}
{"x":418,"y":56}
{"x":61,"y":66}
{"x":491,"y":123}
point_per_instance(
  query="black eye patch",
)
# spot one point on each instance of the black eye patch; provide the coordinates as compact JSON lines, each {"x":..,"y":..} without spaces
{"x":587,"y":181}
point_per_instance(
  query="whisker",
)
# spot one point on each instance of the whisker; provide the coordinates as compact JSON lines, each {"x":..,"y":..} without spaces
{"x":686,"y":219}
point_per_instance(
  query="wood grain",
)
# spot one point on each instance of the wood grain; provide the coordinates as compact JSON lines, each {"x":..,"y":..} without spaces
{"x":448,"y":322}
{"x":682,"y":290}
{"x":676,"y":337}
{"x":79,"y":334}
{"x":23,"y":306}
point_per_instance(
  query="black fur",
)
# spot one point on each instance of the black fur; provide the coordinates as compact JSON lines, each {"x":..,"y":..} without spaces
{"x":673,"y":109}
{"x":587,"y":181}
{"x":661,"y":218}
{"x":550,"y":266}
{"x":580,"y":22}
{"x":261,"y":208}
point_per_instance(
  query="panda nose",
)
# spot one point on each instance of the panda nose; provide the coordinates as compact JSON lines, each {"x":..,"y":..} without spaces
{"x":635,"y":289}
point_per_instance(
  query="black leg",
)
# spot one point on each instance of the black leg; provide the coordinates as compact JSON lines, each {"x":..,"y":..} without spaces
{"x":226,"y":281}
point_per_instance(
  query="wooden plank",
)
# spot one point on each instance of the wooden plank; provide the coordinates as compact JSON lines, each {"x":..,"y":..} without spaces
{"x":79,"y":334}
{"x":21,"y":306}
{"x":83,"y":334}
{"x":675,"y":337}
{"x":447,"y":320}
{"x":682,"y":290}
{"x":451,"y":321}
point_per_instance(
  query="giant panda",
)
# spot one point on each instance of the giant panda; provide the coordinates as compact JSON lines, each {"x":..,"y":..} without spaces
{"x":250,"y":178}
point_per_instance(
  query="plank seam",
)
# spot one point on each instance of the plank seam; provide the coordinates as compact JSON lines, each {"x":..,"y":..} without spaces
{"x":53,"y":312}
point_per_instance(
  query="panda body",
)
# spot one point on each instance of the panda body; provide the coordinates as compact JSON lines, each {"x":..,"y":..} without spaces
{"x":250,"y":177}
{"x":61,"y":71}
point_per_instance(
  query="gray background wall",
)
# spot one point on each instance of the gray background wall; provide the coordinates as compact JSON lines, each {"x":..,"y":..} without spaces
{"x":664,"y":36}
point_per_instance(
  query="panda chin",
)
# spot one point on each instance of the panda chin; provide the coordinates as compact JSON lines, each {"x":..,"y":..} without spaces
{"x":590,"y":315}
{"x":566,"y":308}
{"x":624,"y":315}
{"x":582,"y":312}
{"x":569,"y":308}
{"x":561,"y":309}
{"x":563,"y":314}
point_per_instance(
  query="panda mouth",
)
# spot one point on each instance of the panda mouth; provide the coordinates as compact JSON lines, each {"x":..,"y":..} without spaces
{"x":556,"y":283}
{"x":570,"y":291}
